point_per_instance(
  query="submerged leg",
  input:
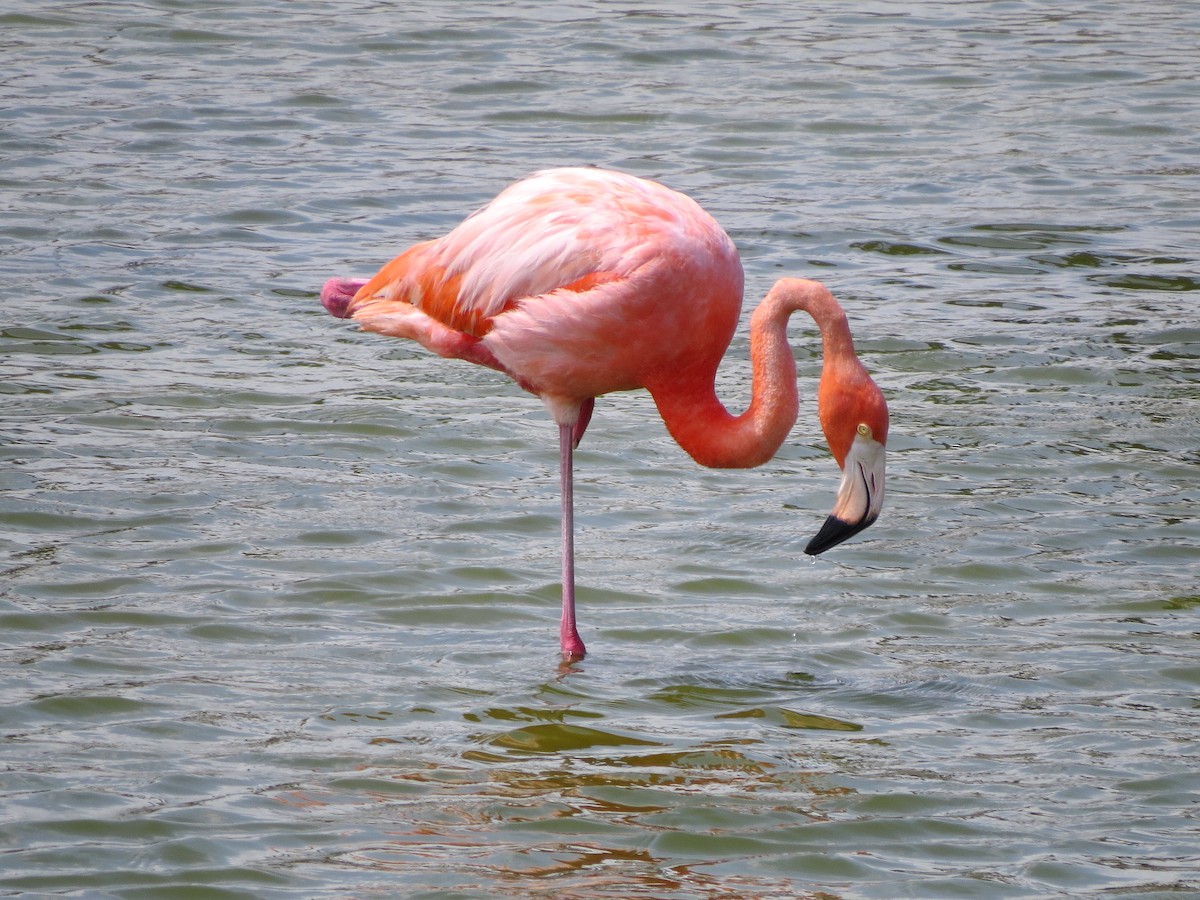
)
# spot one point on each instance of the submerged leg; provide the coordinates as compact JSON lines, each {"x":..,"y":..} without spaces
{"x":572,"y":645}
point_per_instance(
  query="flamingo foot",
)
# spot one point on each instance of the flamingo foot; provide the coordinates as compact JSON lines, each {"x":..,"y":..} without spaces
{"x":572,"y":647}
{"x":337,"y":294}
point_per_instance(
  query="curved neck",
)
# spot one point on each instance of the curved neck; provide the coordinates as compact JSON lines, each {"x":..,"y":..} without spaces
{"x":701,"y":424}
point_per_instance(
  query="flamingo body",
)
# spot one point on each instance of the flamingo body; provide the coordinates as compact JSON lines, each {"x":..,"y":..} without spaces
{"x":576,"y":282}
{"x":579,"y":282}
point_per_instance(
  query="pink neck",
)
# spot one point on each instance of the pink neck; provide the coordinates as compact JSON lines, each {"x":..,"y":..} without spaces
{"x":702,"y":425}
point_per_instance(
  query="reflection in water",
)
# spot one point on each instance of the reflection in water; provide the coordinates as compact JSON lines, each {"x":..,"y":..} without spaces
{"x":504,"y":818}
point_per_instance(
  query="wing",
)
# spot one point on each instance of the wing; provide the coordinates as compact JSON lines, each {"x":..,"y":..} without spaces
{"x":564,"y":229}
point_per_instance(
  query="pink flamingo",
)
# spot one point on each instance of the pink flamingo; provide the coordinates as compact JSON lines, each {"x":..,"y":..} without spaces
{"x":577,"y":282}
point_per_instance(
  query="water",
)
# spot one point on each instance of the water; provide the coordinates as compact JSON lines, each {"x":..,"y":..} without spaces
{"x":278,"y":599}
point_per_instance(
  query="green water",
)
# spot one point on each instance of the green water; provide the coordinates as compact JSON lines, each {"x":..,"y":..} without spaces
{"x":278,"y":600}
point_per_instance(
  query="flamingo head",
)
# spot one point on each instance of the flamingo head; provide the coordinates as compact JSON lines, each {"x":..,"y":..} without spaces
{"x":854,"y":417}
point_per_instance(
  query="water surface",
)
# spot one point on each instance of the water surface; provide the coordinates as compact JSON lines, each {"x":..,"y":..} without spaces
{"x":278,"y":600}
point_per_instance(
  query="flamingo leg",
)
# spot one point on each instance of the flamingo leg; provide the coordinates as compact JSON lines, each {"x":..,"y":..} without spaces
{"x":572,"y":645}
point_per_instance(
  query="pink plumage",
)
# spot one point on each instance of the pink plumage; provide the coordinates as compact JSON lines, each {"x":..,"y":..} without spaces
{"x":580,"y":282}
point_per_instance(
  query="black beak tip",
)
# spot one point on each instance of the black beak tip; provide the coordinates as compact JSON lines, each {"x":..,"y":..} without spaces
{"x":833,"y":532}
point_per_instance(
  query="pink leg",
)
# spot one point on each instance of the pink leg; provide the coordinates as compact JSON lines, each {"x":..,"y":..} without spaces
{"x":581,"y":424}
{"x":572,"y":645}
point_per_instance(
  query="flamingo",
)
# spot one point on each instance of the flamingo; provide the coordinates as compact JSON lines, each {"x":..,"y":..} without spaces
{"x":577,"y":282}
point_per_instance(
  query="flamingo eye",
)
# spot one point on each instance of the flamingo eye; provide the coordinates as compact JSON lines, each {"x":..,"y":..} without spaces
{"x":864,"y":429}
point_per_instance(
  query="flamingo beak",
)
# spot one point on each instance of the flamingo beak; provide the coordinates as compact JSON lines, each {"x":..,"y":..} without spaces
{"x":860,"y":496}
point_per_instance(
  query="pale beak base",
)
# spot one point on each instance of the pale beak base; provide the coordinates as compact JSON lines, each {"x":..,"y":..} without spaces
{"x":860,"y":495}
